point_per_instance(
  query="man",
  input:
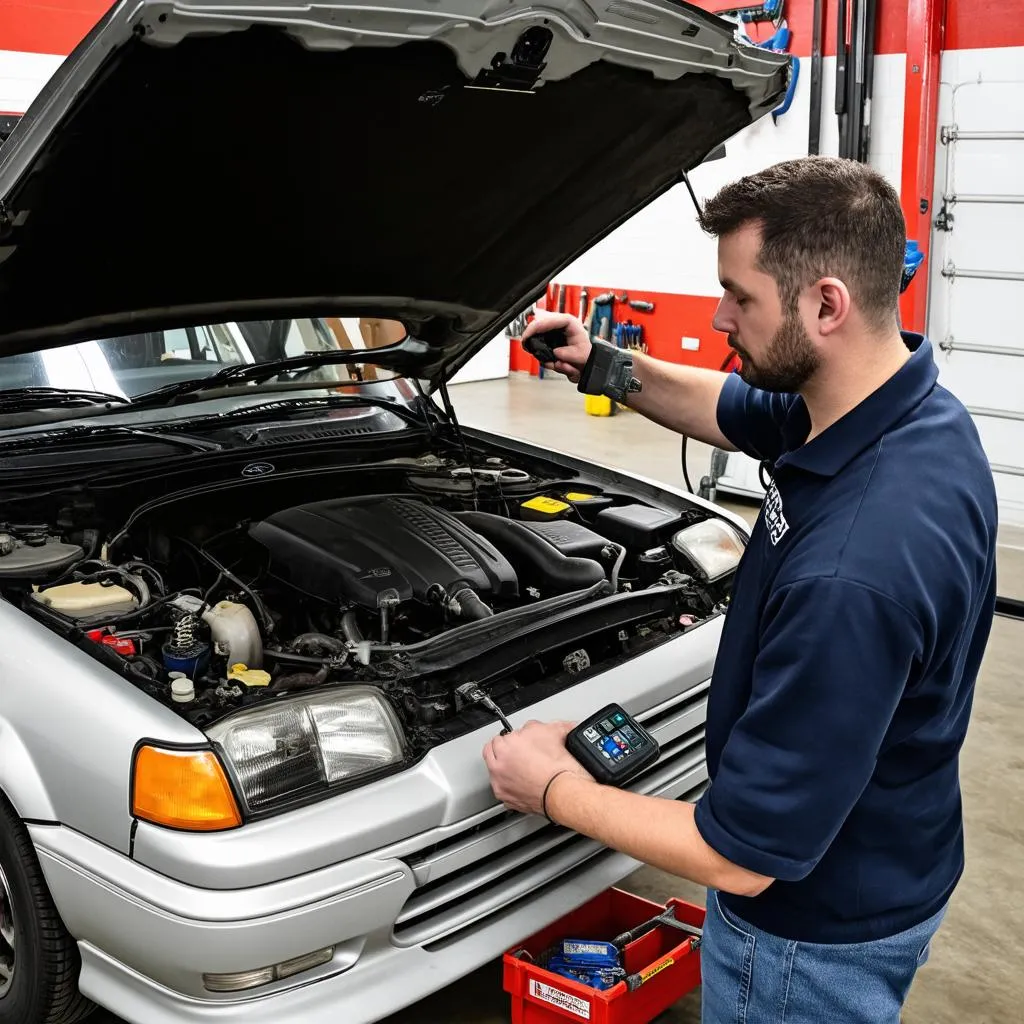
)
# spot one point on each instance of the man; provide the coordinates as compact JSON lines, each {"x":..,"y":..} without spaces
{"x":831,"y":837}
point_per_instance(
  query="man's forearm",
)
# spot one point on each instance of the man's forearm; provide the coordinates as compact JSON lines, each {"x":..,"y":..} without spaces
{"x":682,"y":398}
{"x":658,"y":832}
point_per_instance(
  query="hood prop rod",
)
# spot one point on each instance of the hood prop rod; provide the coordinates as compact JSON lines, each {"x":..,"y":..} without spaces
{"x":460,"y":438}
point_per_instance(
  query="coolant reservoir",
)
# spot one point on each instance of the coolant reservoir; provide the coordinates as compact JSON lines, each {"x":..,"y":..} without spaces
{"x":30,"y":554}
{"x":235,"y":633}
{"x":85,"y":600}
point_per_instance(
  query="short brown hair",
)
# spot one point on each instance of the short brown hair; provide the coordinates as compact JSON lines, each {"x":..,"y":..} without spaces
{"x":821,"y":217}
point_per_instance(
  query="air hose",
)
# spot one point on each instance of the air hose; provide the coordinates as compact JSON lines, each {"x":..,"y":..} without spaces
{"x":730,"y":358}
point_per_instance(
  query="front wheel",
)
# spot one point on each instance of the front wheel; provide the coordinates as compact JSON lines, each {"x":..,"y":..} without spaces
{"x":39,"y":961}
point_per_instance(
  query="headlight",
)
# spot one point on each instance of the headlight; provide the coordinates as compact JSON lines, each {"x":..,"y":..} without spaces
{"x":301,"y":746}
{"x":713,"y":547}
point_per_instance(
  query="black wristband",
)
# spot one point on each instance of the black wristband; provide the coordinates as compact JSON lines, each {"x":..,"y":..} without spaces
{"x":544,"y":798}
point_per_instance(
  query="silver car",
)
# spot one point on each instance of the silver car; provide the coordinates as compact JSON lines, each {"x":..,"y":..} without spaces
{"x":258,"y":584}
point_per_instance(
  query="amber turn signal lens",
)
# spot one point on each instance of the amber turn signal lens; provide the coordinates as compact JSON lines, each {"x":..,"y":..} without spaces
{"x":185,"y":789}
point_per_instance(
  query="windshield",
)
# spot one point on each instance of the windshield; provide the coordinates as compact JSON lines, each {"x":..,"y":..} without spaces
{"x":133,"y":364}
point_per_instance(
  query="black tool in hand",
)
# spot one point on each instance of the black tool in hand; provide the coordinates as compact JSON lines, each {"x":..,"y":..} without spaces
{"x":542,"y":344}
{"x":612,"y":745}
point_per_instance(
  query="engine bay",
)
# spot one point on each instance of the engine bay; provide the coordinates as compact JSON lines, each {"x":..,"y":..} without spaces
{"x":416,"y":576}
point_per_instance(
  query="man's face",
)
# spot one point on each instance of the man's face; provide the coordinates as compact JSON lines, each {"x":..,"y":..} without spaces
{"x":776,"y":351}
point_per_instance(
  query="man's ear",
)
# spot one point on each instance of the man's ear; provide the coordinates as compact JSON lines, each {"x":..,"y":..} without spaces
{"x":833,"y":304}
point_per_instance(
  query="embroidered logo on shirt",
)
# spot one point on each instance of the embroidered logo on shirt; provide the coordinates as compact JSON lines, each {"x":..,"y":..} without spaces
{"x":773,"y":517}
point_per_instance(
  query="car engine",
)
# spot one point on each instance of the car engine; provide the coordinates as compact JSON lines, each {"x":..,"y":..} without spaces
{"x":417,"y":577}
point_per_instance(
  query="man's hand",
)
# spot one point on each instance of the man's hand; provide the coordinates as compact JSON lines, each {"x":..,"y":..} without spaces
{"x":571,"y":357}
{"x":522,"y":762}
{"x":656,"y":830}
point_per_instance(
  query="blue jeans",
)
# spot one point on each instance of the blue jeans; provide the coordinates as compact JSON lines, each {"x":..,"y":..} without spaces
{"x":751,"y":977}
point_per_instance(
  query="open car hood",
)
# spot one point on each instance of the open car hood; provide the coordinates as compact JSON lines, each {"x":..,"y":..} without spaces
{"x":433,"y":161}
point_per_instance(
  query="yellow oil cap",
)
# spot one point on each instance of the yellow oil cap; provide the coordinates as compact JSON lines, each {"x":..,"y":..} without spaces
{"x":249,"y":676}
{"x":578,"y":496}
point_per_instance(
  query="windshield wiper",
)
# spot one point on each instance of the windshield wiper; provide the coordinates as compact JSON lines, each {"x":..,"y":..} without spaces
{"x":53,"y":438}
{"x":293,"y":405}
{"x":402,"y":357}
{"x":17,"y":399}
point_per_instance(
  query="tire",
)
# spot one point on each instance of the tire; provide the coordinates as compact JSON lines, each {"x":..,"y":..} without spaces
{"x":43,"y":986}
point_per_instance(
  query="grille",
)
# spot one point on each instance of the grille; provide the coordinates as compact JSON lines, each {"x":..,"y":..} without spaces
{"x":291,"y":434}
{"x":462,"y":888}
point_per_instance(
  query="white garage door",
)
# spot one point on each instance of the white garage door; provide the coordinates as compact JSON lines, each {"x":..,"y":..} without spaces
{"x":976,"y":300}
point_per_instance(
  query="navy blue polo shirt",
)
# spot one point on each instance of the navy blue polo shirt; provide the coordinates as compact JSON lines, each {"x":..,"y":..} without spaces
{"x":843,"y":685}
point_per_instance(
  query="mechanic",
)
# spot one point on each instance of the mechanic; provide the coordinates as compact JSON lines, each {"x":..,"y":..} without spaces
{"x":830,"y":838}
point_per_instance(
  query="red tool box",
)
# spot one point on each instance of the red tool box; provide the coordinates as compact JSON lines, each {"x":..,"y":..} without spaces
{"x":667,"y":961}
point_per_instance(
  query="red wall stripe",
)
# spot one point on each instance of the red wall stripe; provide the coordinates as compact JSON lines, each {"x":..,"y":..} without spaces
{"x":970,"y":24}
{"x":57,"y":26}
{"x":983,"y":24}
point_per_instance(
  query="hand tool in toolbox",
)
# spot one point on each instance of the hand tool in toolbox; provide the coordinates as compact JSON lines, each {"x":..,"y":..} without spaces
{"x":667,"y":918}
{"x":590,"y":962}
{"x":598,"y":963}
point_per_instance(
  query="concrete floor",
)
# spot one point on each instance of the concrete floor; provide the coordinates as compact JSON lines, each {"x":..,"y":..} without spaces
{"x":975,"y":970}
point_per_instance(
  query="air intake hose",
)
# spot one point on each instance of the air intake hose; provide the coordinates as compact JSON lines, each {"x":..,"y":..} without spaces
{"x":521,"y":545}
{"x":466,"y":603}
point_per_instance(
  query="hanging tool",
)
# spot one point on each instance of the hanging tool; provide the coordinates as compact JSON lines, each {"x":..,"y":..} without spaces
{"x":818,"y":33}
{"x":630,"y":335}
{"x":779,"y":43}
{"x":871,"y":18}
{"x":855,"y":46}
{"x":842,"y":61}
{"x":787,"y":102}
{"x":912,"y":260}
{"x":602,"y":322}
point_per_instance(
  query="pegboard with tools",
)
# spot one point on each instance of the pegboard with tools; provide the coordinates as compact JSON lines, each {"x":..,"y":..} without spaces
{"x":673,"y":327}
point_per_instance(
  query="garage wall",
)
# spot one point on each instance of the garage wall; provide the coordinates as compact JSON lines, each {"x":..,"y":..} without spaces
{"x":975,"y":320}
{"x":22,"y":75}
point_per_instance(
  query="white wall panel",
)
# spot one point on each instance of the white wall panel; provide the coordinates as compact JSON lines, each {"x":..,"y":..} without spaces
{"x":983,"y":91}
{"x":22,"y":75}
{"x":663,"y":249}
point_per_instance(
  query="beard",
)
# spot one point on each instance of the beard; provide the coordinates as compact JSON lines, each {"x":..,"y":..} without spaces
{"x":788,"y":363}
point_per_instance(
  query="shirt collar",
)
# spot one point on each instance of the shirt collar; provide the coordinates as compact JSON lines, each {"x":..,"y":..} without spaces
{"x":863,"y":425}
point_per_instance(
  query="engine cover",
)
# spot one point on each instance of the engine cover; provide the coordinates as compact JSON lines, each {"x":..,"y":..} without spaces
{"x":352,"y":550}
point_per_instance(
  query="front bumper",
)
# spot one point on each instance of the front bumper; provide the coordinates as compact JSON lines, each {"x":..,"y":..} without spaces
{"x":426,"y":908}
{"x":379,"y":983}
